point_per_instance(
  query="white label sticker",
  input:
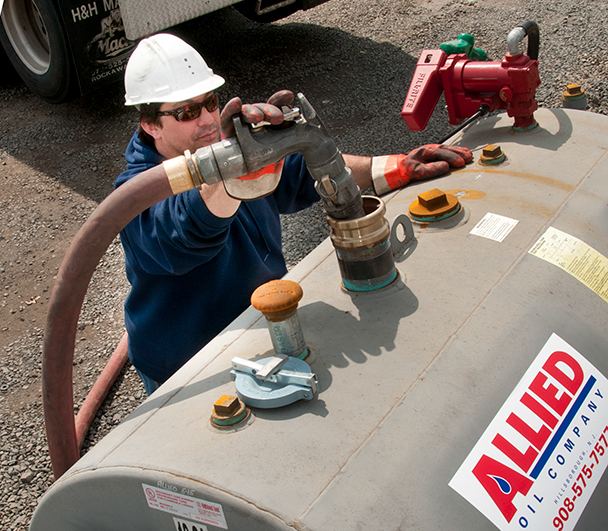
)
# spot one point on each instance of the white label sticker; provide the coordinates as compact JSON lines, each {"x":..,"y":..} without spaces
{"x":494,"y":227}
{"x":582,"y":261}
{"x":540,"y":459}
{"x":189,"y":507}
{"x":185,"y":525}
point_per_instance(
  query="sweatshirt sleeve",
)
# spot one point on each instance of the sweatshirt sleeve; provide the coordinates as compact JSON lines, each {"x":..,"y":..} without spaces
{"x":296,"y":190}
{"x":175,"y":235}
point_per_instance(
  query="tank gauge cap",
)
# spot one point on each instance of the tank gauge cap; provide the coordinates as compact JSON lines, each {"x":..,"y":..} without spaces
{"x":228,"y":411}
{"x":434,"y":205}
{"x":277,"y":299}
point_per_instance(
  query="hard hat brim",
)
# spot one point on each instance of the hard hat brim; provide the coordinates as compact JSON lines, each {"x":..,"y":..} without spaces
{"x":189,"y":93}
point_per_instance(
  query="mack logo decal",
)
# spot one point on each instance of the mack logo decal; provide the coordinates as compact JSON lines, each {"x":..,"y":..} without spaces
{"x":537,"y":443}
{"x":111,"y":41}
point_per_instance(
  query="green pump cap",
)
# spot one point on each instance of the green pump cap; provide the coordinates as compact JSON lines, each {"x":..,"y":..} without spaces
{"x":464,"y":44}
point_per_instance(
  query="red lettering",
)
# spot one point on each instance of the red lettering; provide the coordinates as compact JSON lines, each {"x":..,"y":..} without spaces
{"x":573,"y":383}
{"x":522,"y":460}
{"x":536,"y":407}
{"x":501,"y":492}
{"x":548,"y":394}
{"x":537,"y":438}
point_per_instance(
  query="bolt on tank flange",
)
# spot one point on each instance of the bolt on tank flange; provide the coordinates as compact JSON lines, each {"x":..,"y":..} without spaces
{"x":491,"y":155}
{"x":434,"y":205}
{"x":278,"y":301}
{"x":228,"y":411}
{"x":363,"y":248}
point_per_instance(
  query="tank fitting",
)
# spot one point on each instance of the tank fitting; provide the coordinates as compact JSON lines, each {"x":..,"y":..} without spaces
{"x":574,"y":97}
{"x":363,"y":248}
{"x":491,"y":155}
{"x":434,"y":205}
{"x":228,"y":411}
{"x":278,"y":301}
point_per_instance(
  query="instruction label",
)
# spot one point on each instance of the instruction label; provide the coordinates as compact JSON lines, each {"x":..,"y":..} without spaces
{"x":188,"y":507}
{"x":574,"y":256}
{"x":542,"y":456}
{"x":494,"y":227}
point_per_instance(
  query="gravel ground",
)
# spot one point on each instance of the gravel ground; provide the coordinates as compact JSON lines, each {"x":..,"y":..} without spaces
{"x":352,"y":59}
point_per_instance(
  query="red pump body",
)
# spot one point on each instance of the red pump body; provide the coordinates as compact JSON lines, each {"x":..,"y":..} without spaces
{"x":467,"y":84}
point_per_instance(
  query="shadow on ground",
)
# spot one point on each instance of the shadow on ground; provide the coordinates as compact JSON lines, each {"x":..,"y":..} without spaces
{"x":357,"y":86}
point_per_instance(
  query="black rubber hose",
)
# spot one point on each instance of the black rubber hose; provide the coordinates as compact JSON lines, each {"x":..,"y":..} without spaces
{"x":533,"y":34}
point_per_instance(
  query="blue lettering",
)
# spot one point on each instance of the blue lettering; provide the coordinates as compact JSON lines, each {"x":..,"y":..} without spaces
{"x":598,"y":393}
{"x":591,"y":405}
{"x":552,"y":473}
{"x":560,"y":459}
{"x":569,"y":445}
{"x":585,"y":419}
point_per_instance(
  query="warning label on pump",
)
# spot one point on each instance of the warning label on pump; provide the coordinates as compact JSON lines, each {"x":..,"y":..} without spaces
{"x":494,"y":227}
{"x":537,"y":464}
{"x":582,"y":261}
{"x":189,"y":507}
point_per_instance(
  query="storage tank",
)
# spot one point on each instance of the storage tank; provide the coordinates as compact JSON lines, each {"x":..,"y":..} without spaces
{"x":409,"y":376}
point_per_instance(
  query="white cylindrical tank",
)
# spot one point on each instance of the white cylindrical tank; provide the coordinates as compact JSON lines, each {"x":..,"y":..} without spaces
{"x":409,"y":377}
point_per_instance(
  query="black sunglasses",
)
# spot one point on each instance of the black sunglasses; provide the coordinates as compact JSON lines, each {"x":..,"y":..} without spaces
{"x":193,"y":110}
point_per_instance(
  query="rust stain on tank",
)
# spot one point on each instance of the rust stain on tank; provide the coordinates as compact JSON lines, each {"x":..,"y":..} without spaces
{"x":464,"y":193}
{"x":541,"y":179}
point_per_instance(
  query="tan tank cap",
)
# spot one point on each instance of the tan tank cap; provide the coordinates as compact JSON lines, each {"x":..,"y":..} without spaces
{"x":226,"y":406}
{"x":433,"y":203}
{"x":277,"y":297}
{"x":228,"y":411}
{"x":573,"y":90}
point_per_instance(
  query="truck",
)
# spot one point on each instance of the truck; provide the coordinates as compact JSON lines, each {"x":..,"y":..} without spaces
{"x":65,"y":48}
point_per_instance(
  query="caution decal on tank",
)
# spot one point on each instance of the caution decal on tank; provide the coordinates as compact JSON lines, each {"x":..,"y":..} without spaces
{"x":574,"y":256}
{"x":195,"y":509}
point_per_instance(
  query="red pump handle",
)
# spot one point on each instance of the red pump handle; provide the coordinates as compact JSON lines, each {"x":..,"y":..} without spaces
{"x":425,"y":90}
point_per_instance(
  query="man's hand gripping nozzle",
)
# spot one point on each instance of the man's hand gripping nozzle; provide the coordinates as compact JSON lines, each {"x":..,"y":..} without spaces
{"x":242,"y":162}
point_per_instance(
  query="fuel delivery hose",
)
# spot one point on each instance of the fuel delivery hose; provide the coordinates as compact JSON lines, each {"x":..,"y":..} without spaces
{"x":79,"y":263}
{"x":225,"y":161}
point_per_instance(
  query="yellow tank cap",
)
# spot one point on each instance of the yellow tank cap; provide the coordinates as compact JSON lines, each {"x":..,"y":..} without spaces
{"x":228,"y":411}
{"x":433,"y":205}
{"x":573,"y":90}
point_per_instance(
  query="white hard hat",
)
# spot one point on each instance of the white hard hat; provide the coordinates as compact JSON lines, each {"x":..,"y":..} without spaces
{"x":163,"y":68}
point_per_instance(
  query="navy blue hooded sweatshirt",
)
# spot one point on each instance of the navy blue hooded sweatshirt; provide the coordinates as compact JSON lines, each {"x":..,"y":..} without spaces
{"x":193,"y":273}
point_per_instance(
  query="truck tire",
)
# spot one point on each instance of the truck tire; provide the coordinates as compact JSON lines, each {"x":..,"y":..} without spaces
{"x":35,"y":43}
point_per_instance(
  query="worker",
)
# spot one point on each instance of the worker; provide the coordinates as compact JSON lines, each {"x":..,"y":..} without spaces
{"x":194,"y":259}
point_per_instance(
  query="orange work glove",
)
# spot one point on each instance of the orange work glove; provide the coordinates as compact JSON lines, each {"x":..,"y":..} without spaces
{"x":390,"y":172}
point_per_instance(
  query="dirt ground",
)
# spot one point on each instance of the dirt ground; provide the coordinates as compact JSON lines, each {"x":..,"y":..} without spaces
{"x":57,"y":162}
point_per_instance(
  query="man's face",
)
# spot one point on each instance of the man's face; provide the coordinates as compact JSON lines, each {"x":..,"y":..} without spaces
{"x":173,"y":137}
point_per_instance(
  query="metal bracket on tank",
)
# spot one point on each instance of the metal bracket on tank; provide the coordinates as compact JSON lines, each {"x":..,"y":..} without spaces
{"x":273,"y":382}
{"x":399,"y":247}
